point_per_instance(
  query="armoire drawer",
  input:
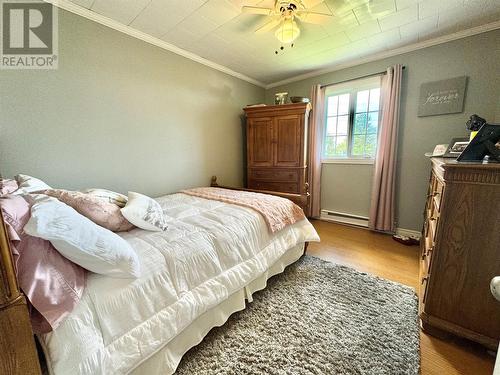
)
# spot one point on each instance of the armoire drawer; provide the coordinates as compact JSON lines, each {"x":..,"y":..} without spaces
{"x":285,"y":187}
{"x":275,"y":175}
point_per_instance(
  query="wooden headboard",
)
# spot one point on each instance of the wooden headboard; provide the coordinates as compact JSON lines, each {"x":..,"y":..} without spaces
{"x":18,"y":353}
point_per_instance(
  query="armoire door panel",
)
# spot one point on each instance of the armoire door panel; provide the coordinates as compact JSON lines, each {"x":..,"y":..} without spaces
{"x":287,"y":141}
{"x":260,"y":135}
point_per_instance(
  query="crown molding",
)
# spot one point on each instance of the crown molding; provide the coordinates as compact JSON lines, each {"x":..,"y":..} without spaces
{"x":93,"y":16}
{"x":398,"y":51}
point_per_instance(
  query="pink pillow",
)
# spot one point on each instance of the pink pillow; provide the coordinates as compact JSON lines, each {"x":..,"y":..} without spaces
{"x":52,"y":284}
{"x":100,"y":211}
{"x":8,"y":186}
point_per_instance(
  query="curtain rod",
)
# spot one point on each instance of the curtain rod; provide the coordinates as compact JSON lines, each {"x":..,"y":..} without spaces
{"x":355,"y":79}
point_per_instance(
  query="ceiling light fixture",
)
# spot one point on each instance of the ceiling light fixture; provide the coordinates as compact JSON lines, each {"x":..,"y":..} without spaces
{"x":288,"y":31}
{"x":284,"y":14}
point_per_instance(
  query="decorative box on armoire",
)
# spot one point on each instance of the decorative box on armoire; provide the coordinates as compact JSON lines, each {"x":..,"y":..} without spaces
{"x":461,"y":251}
{"x":277,"y":150}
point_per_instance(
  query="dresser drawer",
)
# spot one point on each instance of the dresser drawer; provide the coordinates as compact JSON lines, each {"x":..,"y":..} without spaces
{"x":285,"y":187}
{"x":437,"y":194}
{"x":274,"y":175}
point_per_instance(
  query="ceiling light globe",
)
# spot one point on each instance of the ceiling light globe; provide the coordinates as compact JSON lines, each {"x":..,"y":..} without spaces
{"x":288,"y":31}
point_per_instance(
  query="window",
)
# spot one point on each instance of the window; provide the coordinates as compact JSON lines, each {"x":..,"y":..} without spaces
{"x":352,"y":118}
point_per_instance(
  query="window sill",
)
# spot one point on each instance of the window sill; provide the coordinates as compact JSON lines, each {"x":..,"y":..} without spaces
{"x":349,"y":161}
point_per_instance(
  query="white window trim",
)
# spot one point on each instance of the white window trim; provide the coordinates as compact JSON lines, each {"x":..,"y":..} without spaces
{"x":363,"y":83}
{"x":366,"y":161}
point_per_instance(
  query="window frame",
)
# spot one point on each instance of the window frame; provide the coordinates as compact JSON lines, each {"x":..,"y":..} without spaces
{"x":349,"y":159}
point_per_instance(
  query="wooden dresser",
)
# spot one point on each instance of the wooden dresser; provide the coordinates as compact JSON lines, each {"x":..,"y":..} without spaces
{"x":277,"y":150}
{"x":461,"y":252}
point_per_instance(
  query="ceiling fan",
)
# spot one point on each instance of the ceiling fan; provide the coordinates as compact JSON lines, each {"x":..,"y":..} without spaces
{"x":285,"y":14}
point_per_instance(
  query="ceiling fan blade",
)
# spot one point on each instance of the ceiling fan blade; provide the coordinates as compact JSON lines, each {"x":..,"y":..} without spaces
{"x":315,"y":18}
{"x":269,"y":25}
{"x":311,"y":3}
{"x":257,"y":10}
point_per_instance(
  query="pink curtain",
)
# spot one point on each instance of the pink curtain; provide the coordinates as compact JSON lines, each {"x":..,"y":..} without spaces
{"x":315,"y":148}
{"x":384,"y":182}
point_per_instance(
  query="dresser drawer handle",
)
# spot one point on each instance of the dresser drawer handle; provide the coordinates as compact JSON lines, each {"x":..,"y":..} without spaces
{"x":426,"y":253}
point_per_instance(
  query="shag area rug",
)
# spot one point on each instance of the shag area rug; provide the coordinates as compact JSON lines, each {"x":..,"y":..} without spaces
{"x":316,"y":318}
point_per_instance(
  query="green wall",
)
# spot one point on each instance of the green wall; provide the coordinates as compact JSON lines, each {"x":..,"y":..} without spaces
{"x":122,"y":114}
{"x":477,"y":57}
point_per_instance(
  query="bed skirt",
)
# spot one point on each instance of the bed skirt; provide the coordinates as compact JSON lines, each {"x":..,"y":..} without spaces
{"x":166,"y":360}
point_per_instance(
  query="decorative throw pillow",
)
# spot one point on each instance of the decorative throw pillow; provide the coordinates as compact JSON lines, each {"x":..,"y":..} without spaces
{"x":80,"y":240}
{"x":52,"y":283}
{"x":28,"y":184}
{"x":98,"y":210}
{"x":144,"y":212}
{"x":8,"y":186}
{"x":116,"y":198}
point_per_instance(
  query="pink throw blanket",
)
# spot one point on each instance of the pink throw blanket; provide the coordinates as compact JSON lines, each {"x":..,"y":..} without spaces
{"x":277,"y":212}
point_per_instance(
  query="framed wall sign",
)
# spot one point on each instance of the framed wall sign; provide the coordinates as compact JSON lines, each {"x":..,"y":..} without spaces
{"x":441,"y":97}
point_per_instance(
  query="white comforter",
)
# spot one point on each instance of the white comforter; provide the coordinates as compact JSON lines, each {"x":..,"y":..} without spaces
{"x":210,"y":250}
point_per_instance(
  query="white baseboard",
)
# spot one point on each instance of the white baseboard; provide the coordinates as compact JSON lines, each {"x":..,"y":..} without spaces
{"x":343,"y":218}
{"x":408,"y":233}
{"x":361,"y":221}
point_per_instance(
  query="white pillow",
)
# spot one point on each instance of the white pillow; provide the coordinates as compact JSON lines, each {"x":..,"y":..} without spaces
{"x":144,"y":212}
{"x":116,"y":198}
{"x":80,"y":240}
{"x":28,"y":184}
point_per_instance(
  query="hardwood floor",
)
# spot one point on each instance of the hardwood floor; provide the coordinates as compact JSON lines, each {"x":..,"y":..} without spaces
{"x":380,"y":255}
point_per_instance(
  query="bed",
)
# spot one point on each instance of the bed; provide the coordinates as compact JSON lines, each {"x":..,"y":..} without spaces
{"x":203,"y":268}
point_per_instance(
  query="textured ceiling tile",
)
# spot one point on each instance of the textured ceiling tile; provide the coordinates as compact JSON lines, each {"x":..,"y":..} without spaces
{"x":384,"y":39}
{"x":310,"y":33}
{"x":83,"y":3}
{"x":121,"y":11}
{"x":401,"y":4}
{"x":317,"y":47}
{"x":375,"y":9}
{"x":161,"y":16}
{"x":341,"y":7}
{"x":241,"y":3}
{"x":429,"y":8}
{"x":341,"y":23}
{"x":198,"y":26}
{"x":363,"y":31}
{"x":456,"y":19}
{"x":181,"y":38}
{"x":416,"y":28}
{"x":400,"y":18}
{"x":218,"y":11}
{"x":405,"y":41}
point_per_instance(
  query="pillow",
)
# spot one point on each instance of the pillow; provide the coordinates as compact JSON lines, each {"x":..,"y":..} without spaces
{"x":144,"y":212}
{"x":80,"y":240}
{"x":8,"y":186}
{"x":52,"y":284}
{"x":116,"y":198}
{"x":98,"y":210}
{"x":28,"y":184}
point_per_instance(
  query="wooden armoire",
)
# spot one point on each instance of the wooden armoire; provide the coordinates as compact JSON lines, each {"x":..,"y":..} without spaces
{"x":277,"y":152}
